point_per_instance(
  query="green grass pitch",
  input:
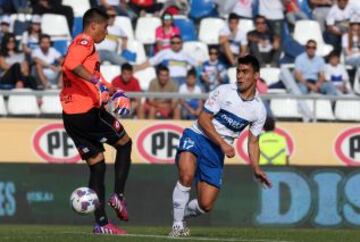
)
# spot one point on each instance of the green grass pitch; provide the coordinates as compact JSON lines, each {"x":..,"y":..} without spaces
{"x":47,"y":233}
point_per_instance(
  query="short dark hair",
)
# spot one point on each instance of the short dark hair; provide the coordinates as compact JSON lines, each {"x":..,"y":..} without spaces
{"x":260,"y":16}
{"x":94,"y":15}
{"x":176,"y":36}
{"x":44,"y":36}
{"x":311,"y":41}
{"x":161,"y":68}
{"x":127,"y":67}
{"x":269,"y":124}
{"x":334,"y":53}
{"x":233,"y":16}
{"x":250,"y":60}
{"x":213,"y":47}
{"x":191,"y":72}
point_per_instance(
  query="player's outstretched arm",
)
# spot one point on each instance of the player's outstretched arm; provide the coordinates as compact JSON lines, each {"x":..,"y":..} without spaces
{"x":254,"y":155}
{"x":206,"y":125}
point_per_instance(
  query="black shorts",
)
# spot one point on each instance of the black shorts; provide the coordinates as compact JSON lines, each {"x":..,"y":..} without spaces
{"x":91,"y":129}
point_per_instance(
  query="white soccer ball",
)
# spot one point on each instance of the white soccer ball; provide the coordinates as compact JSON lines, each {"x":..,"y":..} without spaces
{"x":84,"y":200}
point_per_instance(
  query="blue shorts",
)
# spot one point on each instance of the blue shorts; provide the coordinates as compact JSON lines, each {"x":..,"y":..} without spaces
{"x":210,"y":158}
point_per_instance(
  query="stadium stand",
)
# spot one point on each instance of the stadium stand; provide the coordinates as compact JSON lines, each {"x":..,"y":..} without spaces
{"x":23,"y":104}
{"x":199,"y":28}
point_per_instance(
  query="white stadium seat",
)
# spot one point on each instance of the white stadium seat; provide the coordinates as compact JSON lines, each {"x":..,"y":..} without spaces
{"x":310,"y":29}
{"x":271,"y":75}
{"x":146,"y":28}
{"x":347,"y":110}
{"x":79,"y":6}
{"x":209,"y":30}
{"x":145,"y":76}
{"x":198,"y":50}
{"x":56,"y":26}
{"x":285,"y":108}
{"x":126,"y":26}
{"x":51,"y":104}
{"x":23,"y":104}
{"x":138,"y":48}
{"x":3,"y":111}
{"x":232,"y":74}
{"x":109,"y":72}
{"x":246,"y":25}
{"x":323,"y":109}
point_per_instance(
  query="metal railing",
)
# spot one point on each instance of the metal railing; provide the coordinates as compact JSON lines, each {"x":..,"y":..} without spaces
{"x":271,"y":96}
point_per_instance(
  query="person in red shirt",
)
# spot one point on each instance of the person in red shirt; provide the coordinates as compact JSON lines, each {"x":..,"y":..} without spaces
{"x":88,"y":123}
{"x":128,"y":83}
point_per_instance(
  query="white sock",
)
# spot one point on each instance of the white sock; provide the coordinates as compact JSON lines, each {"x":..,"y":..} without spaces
{"x":181,"y":195}
{"x":193,"y":209}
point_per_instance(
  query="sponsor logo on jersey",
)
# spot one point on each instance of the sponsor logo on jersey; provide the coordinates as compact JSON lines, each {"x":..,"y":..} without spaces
{"x":347,"y":146}
{"x":241,"y":143}
{"x":158,"y":143}
{"x":52,"y":144}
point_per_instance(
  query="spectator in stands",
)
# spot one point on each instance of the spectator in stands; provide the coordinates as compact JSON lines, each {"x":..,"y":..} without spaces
{"x":244,"y":9}
{"x":120,"y":6}
{"x":127,"y":82}
{"x":320,"y":10}
{"x":309,"y":72}
{"x":351,"y":44}
{"x":165,"y":32}
{"x":114,"y":42}
{"x":337,"y":22}
{"x":163,"y":107}
{"x":14,"y":69}
{"x":336,"y":73}
{"x":47,"y":63}
{"x":15,"y":6}
{"x":175,"y":58}
{"x":213,"y":72}
{"x":175,"y":7}
{"x":232,"y":40}
{"x":264,"y":45}
{"x":30,"y":38}
{"x":142,"y":7}
{"x":190,"y":107}
{"x":55,"y":7}
{"x":4,"y":26}
{"x":293,"y":12}
{"x":273,"y":11}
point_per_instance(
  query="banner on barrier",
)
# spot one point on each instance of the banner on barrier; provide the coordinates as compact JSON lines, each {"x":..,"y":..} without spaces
{"x":300,"y":197}
{"x":155,"y":142}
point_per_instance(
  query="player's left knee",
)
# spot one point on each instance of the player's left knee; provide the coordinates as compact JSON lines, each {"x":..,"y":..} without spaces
{"x":206,"y":206}
{"x":124,"y":147}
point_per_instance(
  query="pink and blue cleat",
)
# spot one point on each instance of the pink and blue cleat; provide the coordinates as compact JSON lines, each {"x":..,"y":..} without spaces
{"x":119,"y":206}
{"x":108,"y":229}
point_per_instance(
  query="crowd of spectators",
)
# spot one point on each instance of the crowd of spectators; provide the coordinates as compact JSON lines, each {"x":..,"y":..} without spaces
{"x":32,"y":62}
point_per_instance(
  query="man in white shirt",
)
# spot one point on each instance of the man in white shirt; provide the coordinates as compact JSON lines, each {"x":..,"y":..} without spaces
{"x":337,"y":22}
{"x":175,"y":58}
{"x":229,"y":109}
{"x":232,"y":40}
{"x":47,"y":63}
{"x":116,"y":41}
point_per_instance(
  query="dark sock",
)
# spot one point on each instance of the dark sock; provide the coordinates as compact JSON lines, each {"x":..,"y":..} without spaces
{"x":122,"y":166}
{"x":96,"y":182}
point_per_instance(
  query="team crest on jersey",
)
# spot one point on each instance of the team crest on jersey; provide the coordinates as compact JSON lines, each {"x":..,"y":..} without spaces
{"x":117,"y":125}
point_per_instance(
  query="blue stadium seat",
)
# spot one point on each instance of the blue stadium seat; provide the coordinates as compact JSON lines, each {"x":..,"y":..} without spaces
{"x":202,"y":8}
{"x":61,"y":46}
{"x":187,"y":28}
{"x":77,"y":28}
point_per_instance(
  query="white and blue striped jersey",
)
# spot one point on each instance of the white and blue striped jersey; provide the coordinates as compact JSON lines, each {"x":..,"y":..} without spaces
{"x":232,"y":114}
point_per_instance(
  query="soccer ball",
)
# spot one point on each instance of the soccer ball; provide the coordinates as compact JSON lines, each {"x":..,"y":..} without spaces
{"x":84,"y":200}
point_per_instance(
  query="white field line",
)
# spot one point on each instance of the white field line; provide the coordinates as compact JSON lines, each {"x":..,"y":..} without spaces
{"x":191,"y":238}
